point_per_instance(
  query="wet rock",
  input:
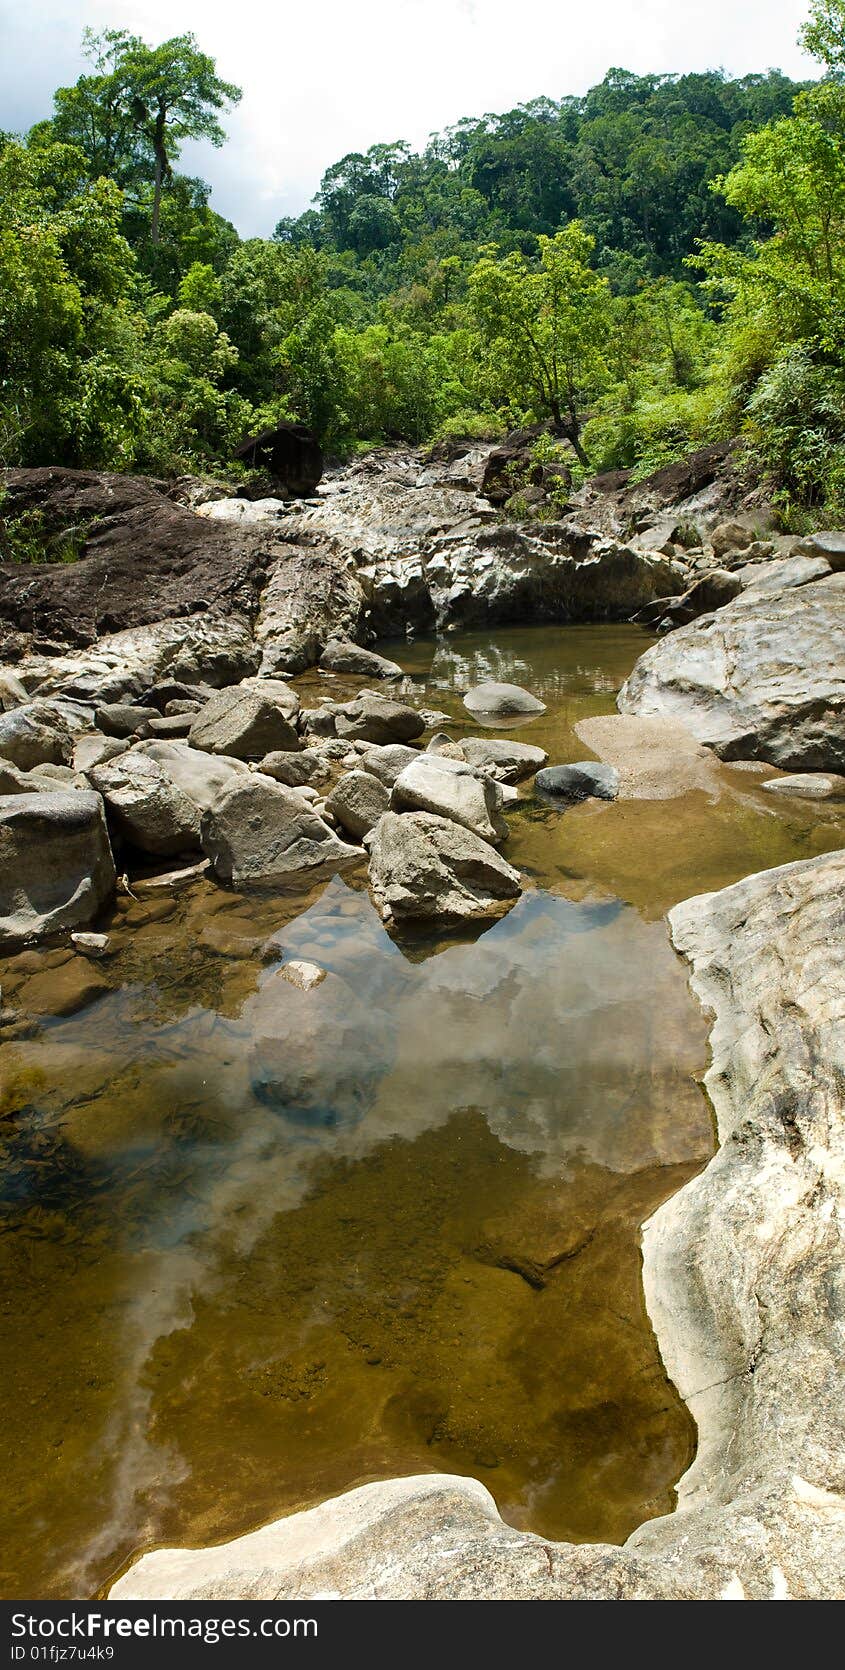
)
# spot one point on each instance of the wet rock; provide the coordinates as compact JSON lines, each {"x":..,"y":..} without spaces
{"x":56,"y":865}
{"x":427,"y":868}
{"x":305,"y":976}
{"x":586,"y":780}
{"x":91,"y":945}
{"x":243,"y":723}
{"x":120,"y":719}
{"x":510,"y":761}
{"x":145,"y":804}
{"x":63,"y":991}
{"x":808,"y":785}
{"x":451,"y":789}
{"x":386,"y":763}
{"x":492,"y":698}
{"x":261,"y":834}
{"x":294,"y":770}
{"x":357,"y":802}
{"x":764,"y":678}
{"x":343,"y":657}
{"x":377,"y":719}
{"x":29,"y":738}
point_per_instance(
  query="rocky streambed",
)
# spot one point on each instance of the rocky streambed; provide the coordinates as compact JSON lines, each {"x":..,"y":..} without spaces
{"x":301,"y":1172}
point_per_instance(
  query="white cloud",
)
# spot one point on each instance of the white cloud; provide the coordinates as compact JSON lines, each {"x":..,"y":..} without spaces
{"x":335,"y":77}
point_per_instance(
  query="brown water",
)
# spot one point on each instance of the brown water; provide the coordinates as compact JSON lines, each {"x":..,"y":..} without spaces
{"x":260,"y":1246}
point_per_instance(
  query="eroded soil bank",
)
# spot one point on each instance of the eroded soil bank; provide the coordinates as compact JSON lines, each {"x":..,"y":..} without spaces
{"x":262,"y":1245}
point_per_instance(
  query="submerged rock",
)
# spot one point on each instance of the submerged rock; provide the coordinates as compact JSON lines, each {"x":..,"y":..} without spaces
{"x":743,"y":1278}
{"x":426,"y":868}
{"x":56,"y":865}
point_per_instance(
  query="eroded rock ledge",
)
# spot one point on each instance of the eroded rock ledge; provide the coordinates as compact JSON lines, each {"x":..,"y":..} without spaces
{"x":745,"y":1280}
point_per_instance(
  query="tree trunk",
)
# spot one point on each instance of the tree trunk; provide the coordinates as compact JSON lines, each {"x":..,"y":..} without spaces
{"x":162,"y":169}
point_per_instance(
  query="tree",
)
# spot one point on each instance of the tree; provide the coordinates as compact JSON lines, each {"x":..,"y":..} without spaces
{"x":545,"y":327}
{"x":132,"y":117}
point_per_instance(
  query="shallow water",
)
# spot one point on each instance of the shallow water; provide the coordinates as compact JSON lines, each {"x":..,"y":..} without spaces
{"x":259,"y":1245}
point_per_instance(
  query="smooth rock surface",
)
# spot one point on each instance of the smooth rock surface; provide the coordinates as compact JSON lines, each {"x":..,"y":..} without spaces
{"x":56,"y":865}
{"x":426,"y":868}
{"x":388,"y":761}
{"x":510,"y":761}
{"x":340,"y":656}
{"x":762,"y":679}
{"x":203,"y":778}
{"x":493,"y":698}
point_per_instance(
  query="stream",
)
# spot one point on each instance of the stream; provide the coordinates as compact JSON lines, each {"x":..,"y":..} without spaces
{"x":261,"y":1245}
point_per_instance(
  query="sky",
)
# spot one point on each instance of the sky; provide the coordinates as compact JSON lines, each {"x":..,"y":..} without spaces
{"x":334,"y":76}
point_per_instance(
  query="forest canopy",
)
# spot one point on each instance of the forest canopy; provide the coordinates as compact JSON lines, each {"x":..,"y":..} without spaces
{"x":651,"y":266}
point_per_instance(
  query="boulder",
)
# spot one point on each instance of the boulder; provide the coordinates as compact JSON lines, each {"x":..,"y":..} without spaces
{"x":121,"y":719}
{"x":762,"y":679}
{"x":377,"y":719}
{"x":829,"y":545}
{"x":357,"y":802}
{"x":428,"y":869}
{"x":170,"y":724}
{"x":510,"y":761}
{"x":30,"y":737}
{"x":586,"y":780}
{"x":56,"y":865}
{"x":294,"y":770}
{"x":450,"y":789}
{"x":493,"y":698}
{"x":340,"y":656}
{"x":145,"y":804}
{"x":261,"y":834}
{"x":94,"y":749}
{"x":730,"y":536}
{"x":243,"y":723}
{"x":289,"y":454}
{"x":202,"y":778}
{"x":386,"y":763}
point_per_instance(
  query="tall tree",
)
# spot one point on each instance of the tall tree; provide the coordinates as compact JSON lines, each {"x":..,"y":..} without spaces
{"x":133,"y":115}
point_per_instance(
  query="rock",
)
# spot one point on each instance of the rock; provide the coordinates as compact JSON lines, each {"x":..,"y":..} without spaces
{"x":203,"y":778}
{"x":28,"y":738}
{"x":91,"y":945}
{"x":781,"y":573}
{"x":144,"y":559}
{"x":171,"y":724}
{"x":451,"y":789}
{"x":305,"y":976}
{"x":339,"y":656}
{"x":493,"y":698}
{"x":743,"y":1280}
{"x":764,"y":678}
{"x":244,"y":724}
{"x":120,"y":719}
{"x":289,"y":454}
{"x":377,"y":719}
{"x":510,"y":761}
{"x":808,"y":785}
{"x":56,"y":866}
{"x":147,"y":806}
{"x":42,"y":779}
{"x":443,"y":745}
{"x":310,"y":598}
{"x":586,"y":780}
{"x":181,"y":707}
{"x":261,"y":834}
{"x":94,"y":750}
{"x":386,"y":763}
{"x":294,"y":770}
{"x":830,"y":546}
{"x":427,"y":868}
{"x":656,"y":758}
{"x":713,"y":590}
{"x":63,"y":991}
{"x":13,"y":693}
{"x":730,"y":536}
{"x":357,"y":802}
